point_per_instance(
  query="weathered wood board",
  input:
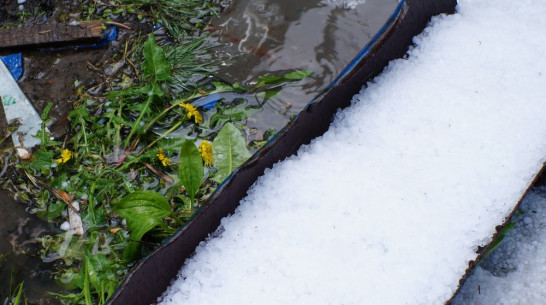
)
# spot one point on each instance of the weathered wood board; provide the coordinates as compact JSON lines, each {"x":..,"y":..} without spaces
{"x":51,"y":33}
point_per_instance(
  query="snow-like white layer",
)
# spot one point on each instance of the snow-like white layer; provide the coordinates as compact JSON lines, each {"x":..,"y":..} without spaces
{"x":390,"y":204}
{"x":515,"y":273}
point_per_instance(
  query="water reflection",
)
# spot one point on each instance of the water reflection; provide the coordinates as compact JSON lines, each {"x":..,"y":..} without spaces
{"x":277,"y":36}
{"x":19,"y":253}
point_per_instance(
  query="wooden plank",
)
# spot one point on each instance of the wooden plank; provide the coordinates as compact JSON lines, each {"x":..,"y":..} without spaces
{"x":52,"y":33}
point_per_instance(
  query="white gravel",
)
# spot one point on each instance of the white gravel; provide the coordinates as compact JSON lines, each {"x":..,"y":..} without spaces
{"x":389,"y":205}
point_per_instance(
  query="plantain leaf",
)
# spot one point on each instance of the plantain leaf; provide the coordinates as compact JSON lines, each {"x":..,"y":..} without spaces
{"x":156,"y":66}
{"x":191,"y":170}
{"x":229,"y":151}
{"x":143,"y":211}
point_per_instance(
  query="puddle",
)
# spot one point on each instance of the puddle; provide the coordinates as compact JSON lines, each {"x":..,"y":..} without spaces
{"x":273,"y":37}
{"x":268,"y":37}
{"x":19,"y":253}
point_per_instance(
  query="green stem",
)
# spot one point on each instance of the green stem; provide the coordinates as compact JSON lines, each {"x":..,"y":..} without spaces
{"x":157,"y":118}
{"x":84,"y":132}
{"x":137,"y":122}
{"x":117,"y":137}
{"x":166,"y":133}
{"x":177,"y":219}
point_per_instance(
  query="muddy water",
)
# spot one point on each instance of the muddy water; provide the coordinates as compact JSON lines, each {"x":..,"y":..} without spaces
{"x":273,"y":37}
{"x":19,"y":253}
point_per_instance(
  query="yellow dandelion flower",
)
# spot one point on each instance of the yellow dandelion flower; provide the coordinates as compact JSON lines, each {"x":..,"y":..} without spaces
{"x":164,"y":160}
{"x":65,"y":156}
{"x":192,"y":112}
{"x":205,"y":150}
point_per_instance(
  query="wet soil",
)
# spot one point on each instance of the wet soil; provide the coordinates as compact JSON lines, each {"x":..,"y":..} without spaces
{"x":50,"y":73}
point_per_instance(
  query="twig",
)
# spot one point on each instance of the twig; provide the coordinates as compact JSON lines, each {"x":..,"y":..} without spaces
{"x":159,"y":173}
{"x":121,"y":25}
{"x":61,"y":195}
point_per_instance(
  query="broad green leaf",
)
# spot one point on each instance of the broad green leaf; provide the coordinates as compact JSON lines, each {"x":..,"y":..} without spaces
{"x":229,"y":151}
{"x":143,"y":211}
{"x":191,"y":170}
{"x":156,"y":65}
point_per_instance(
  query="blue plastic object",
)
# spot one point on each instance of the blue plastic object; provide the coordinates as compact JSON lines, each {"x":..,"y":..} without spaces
{"x":110,"y":35}
{"x":207,"y":102}
{"x":14,"y":63}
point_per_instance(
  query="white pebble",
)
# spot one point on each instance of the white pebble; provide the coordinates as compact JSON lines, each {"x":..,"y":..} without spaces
{"x":65,"y":226}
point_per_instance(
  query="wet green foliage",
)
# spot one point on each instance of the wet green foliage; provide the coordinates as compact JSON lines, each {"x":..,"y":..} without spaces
{"x":190,"y":169}
{"x":178,"y":16}
{"x":16,"y":298}
{"x":276,"y":80}
{"x":143,"y":211}
{"x":229,"y":151}
{"x":130,"y":167}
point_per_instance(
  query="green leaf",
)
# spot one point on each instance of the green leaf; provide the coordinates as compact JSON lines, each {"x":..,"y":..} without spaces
{"x":509,"y":227}
{"x":156,"y":65}
{"x":221,"y":87}
{"x":288,"y":77}
{"x":229,"y":151}
{"x":18,"y":296}
{"x":52,"y":211}
{"x":86,"y":287}
{"x":143,"y":211}
{"x":42,"y":160}
{"x":45,"y":113}
{"x":191,"y":170}
{"x":298,"y":74}
{"x":101,"y":272}
{"x":234,"y":114}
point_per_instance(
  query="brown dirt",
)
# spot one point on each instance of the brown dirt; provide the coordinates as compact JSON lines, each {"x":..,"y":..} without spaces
{"x":50,"y":73}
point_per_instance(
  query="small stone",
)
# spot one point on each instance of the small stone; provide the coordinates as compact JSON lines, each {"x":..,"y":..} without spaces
{"x":65,"y":226}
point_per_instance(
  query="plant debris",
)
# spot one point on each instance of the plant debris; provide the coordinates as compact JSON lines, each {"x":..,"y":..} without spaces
{"x":138,"y":157}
